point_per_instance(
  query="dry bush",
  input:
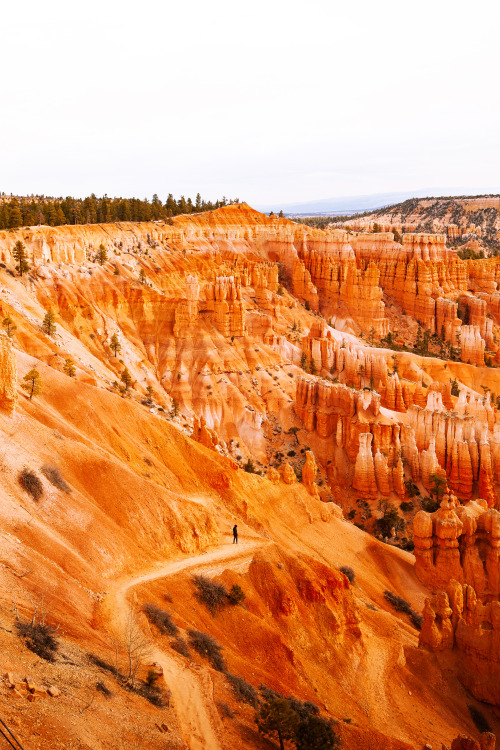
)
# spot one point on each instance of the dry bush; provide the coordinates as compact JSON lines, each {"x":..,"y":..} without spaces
{"x":348,"y":572}
{"x":236,"y":595}
{"x":181,"y":647}
{"x":102,"y":688}
{"x":31,"y":483}
{"x":106,"y":666}
{"x":55,"y":477}
{"x":159,"y":697}
{"x":39,"y":638}
{"x":210,"y":593}
{"x":207,"y":647}
{"x":160,"y":618}
{"x":225,"y":711}
{"x":242,"y":690}
{"x":401,"y":605}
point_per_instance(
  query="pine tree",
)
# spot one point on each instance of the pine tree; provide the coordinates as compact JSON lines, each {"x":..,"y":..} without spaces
{"x":69,"y":367}
{"x":102,"y":254}
{"x":276,"y":716}
{"x":19,"y":254}
{"x":115,"y":344}
{"x":9,"y":326}
{"x":32,"y":383}
{"x":15,"y":217}
{"x":126,"y":378}
{"x":142,"y":276}
{"x":48,"y":324}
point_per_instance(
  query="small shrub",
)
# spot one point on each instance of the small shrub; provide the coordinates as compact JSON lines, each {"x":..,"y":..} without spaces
{"x":101,"y":687}
{"x":242,"y":690}
{"x":207,"y":647}
{"x":479,"y":719}
{"x":236,"y":595}
{"x":291,"y":454}
{"x":181,"y":647}
{"x":31,"y":483}
{"x":210,"y":593}
{"x":39,"y":638}
{"x":225,"y":711}
{"x":429,"y":504}
{"x":411,"y":488}
{"x":249,"y":467}
{"x":406,"y":506}
{"x":53,"y":474}
{"x":348,"y":572}
{"x":160,"y":618}
{"x":159,"y":697}
{"x":401,"y":605}
{"x":104,"y":665}
{"x":416,"y":619}
{"x":352,"y":513}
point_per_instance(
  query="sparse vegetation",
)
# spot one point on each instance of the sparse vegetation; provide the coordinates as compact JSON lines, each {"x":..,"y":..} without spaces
{"x":39,"y":638}
{"x":401,"y":605}
{"x":236,"y":595}
{"x":126,"y":378}
{"x":31,"y":483}
{"x":180,"y":645}
{"x":53,"y":474}
{"x":224,"y":710}
{"x":296,"y":721}
{"x":406,"y":506}
{"x":390,"y":520}
{"x":102,"y":254}
{"x":115,"y":344}
{"x":69,"y":368}
{"x":102,"y":688}
{"x":161,"y":618}
{"x":19,"y":253}
{"x":208,"y":648}
{"x":242,"y":690}
{"x":49,"y":324}
{"x":9,"y":326}
{"x":249,"y":467}
{"x":32,"y":383}
{"x":210,"y":593}
{"x":348,"y":572}
{"x":429,"y":504}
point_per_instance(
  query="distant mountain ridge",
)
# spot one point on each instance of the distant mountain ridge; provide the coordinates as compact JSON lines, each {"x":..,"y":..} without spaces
{"x":361,"y":203}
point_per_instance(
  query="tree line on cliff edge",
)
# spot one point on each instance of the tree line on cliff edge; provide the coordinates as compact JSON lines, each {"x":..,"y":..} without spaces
{"x":35,"y":210}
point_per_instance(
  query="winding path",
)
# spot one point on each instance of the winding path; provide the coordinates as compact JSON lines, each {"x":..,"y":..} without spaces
{"x":190,"y":684}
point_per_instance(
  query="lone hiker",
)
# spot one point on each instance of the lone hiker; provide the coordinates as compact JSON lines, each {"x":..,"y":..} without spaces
{"x":235,"y":534}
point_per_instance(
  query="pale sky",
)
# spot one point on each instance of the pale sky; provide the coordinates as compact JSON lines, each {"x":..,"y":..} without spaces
{"x":275,"y":101}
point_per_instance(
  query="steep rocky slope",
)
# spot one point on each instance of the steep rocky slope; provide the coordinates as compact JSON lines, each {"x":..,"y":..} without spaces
{"x":249,"y":340}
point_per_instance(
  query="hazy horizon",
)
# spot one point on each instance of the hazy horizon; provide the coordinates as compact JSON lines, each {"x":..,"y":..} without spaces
{"x":268,"y":103}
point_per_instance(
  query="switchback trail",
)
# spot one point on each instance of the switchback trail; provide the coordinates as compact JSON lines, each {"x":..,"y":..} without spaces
{"x":190,"y":684}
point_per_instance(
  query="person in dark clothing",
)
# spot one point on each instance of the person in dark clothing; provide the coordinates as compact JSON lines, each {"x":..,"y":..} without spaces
{"x":235,"y":534}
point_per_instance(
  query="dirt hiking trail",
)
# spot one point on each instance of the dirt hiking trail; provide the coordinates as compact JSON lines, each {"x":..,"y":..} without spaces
{"x":190,"y":684}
